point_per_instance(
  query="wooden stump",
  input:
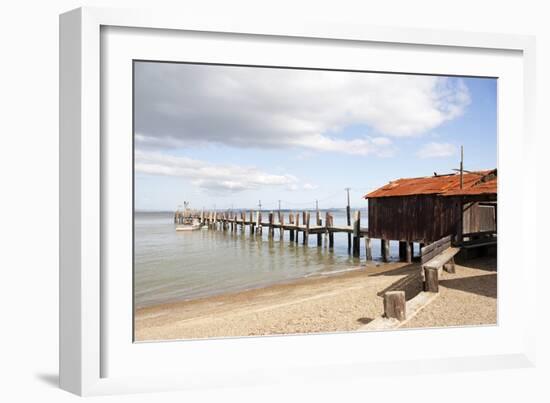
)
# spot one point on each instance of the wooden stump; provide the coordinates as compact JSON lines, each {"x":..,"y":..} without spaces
{"x":431,"y":279}
{"x":395,"y":305}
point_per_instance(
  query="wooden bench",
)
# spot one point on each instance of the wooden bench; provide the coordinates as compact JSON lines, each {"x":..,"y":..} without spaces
{"x":435,"y":257}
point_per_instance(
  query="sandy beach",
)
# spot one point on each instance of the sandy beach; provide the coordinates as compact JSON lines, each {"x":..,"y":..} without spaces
{"x":340,"y":302}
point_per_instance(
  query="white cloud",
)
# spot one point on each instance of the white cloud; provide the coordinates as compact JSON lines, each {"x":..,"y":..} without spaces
{"x":180,"y":104}
{"x":437,"y":150}
{"x":309,"y":186}
{"x":218,"y":178}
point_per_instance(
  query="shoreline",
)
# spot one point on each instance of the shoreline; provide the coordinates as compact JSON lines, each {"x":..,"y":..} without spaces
{"x":370,"y":268}
{"x":318,"y":304}
{"x":267,"y":308}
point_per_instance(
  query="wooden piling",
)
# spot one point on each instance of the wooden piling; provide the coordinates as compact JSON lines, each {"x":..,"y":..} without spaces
{"x":356,"y":233}
{"x":291,"y":222}
{"x":270,"y":221}
{"x":306,"y":227}
{"x":319,"y":222}
{"x":431,"y":279}
{"x":297,"y":225}
{"x":408,"y":252}
{"x":329,"y":223}
{"x":368,"y":248}
{"x":281,"y":223}
{"x":395,"y":305}
{"x":258,"y":223}
{"x":385,"y":246}
{"x":251,"y":222}
{"x":402,"y":251}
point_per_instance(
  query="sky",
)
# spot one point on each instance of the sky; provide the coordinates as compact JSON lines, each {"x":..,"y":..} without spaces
{"x":229,"y":136}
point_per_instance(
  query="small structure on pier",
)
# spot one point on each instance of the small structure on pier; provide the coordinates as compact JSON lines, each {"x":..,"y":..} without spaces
{"x":426,"y":209}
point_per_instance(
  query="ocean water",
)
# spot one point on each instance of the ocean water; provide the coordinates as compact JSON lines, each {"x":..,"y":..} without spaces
{"x":172,"y":265}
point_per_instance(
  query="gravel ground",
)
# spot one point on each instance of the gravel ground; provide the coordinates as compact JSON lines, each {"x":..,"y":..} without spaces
{"x":336,"y":303}
{"x":468,"y":297}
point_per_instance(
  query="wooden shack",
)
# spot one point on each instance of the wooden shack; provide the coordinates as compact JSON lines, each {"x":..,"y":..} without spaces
{"x":426,"y":209}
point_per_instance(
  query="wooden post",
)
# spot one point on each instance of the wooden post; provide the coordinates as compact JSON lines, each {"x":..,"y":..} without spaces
{"x":368,"y":249}
{"x":385,"y":245}
{"x":356,"y":233}
{"x":297,"y":225}
{"x":251,"y":222}
{"x":291,"y":222}
{"x":431,"y":282}
{"x":348,"y":216}
{"x":395,"y":305}
{"x":281,"y":223}
{"x":402,"y":251}
{"x":235,"y":222}
{"x":450,"y":266}
{"x":306,"y":227}
{"x":258,"y":223}
{"x":270,"y":221}
{"x":329,"y":224}
{"x":408,"y":252}
{"x":319,"y":223}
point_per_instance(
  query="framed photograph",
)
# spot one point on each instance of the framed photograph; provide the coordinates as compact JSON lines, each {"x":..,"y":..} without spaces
{"x":237,"y":197}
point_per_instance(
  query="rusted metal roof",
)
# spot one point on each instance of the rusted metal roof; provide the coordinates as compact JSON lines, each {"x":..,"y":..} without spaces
{"x":474,"y":183}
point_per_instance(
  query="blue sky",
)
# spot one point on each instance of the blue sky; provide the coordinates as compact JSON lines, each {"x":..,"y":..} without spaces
{"x":229,"y":136}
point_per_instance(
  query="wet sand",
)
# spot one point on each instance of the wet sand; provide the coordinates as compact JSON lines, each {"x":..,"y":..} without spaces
{"x":342,"y":302}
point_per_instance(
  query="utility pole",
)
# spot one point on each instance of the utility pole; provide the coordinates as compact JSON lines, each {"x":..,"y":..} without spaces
{"x":279,"y":208}
{"x":260,"y":204}
{"x":461,"y":166}
{"x":317,"y":206}
{"x":348,"y":216}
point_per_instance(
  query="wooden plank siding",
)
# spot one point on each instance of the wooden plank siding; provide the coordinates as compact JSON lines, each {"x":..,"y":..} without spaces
{"x":417,"y":218}
{"x":427,"y":218}
{"x":479,"y":217}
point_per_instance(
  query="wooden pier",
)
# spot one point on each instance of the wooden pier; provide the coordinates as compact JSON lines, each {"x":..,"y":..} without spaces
{"x":295,"y":223}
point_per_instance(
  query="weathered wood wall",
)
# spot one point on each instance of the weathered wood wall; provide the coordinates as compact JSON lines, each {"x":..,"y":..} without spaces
{"x":478,"y":218}
{"x":427,"y":218}
{"x":419,"y":218}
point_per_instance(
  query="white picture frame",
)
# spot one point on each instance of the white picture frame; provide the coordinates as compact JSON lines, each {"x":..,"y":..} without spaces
{"x":91,"y":350}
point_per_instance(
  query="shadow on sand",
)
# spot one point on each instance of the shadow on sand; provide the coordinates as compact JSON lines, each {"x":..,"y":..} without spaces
{"x":485,"y":285}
